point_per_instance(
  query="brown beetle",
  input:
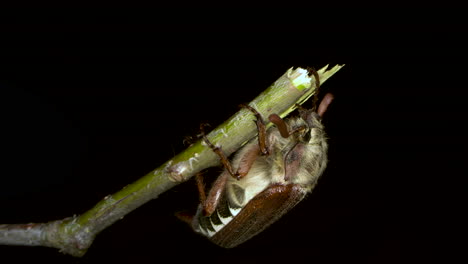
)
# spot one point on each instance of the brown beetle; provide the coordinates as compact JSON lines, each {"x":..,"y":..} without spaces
{"x":266,"y":178}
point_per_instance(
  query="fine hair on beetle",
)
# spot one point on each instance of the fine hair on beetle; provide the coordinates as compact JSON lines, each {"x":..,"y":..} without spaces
{"x":266,"y":178}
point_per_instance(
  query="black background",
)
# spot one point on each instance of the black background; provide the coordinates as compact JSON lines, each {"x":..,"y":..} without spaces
{"x":91,"y":101}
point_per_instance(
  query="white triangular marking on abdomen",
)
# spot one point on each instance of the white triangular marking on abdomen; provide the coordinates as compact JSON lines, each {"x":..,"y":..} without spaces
{"x":234,"y":211}
{"x":217,"y":227}
{"x":210,"y":233}
{"x":224,"y":220}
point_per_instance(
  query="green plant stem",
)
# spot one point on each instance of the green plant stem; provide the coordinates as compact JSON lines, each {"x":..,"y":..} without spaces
{"x":75,"y":235}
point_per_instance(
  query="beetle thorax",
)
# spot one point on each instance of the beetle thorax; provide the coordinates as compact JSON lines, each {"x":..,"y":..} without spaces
{"x":298,"y":159}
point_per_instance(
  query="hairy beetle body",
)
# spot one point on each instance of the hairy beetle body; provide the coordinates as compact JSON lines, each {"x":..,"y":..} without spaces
{"x":273,"y":185}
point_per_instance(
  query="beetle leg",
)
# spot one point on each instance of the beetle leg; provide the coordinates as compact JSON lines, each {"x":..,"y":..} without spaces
{"x":282,"y":127}
{"x":251,"y":154}
{"x":262,"y":138}
{"x":297,"y":129}
{"x":185,"y":217}
{"x":247,"y":160}
{"x":220,"y":153}
{"x":317,"y":87}
{"x":212,"y":200}
{"x":280,"y":124}
{"x":201,"y":187}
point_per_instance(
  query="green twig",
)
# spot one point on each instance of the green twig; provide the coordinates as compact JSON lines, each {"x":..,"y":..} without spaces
{"x":75,"y":235}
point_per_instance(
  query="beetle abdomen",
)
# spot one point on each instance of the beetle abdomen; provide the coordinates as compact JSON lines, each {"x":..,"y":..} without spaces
{"x":264,"y":209}
{"x":210,"y":225}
